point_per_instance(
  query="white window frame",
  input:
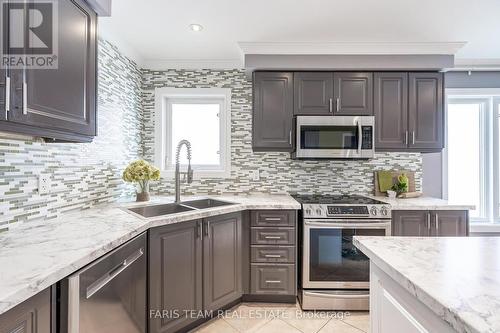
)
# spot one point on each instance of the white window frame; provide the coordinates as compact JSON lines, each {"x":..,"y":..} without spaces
{"x":163,"y":156}
{"x":490,"y":99}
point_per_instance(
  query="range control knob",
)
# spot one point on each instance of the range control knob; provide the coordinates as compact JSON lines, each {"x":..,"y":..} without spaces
{"x":383,"y":211}
{"x":373,"y":211}
{"x":308,"y":211}
{"x":319,"y":211}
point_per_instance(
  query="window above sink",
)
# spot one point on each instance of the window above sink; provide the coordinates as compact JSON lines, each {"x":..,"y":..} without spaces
{"x":203,"y":117}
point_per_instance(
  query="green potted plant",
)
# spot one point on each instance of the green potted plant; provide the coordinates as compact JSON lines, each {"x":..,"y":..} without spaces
{"x":141,"y":173}
{"x":402,"y":184}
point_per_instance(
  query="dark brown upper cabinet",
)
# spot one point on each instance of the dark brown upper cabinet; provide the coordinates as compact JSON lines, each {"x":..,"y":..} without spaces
{"x":391,"y":110}
{"x":353,"y":93}
{"x":175,"y":273}
{"x":272,"y":111}
{"x":435,"y":223}
{"x":426,"y":117}
{"x":222,"y":256}
{"x":60,"y":103}
{"x":31,"y":316}
{"x":313,"y":93}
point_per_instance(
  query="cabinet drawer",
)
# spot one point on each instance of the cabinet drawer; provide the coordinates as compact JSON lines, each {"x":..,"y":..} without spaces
{"x":273,"y":279}
{"x":273,"y":218}
{"x":261,"y":253}
{"x":273,"y":236}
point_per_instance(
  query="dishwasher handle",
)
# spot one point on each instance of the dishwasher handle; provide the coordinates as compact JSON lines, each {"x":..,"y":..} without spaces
{"x":114,"y":272}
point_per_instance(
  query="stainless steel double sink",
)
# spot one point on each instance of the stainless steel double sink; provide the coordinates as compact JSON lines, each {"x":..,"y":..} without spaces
{"x":174,"y":208}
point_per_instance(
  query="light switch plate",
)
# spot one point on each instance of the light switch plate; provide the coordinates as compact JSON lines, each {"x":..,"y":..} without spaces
{"x":43,"y":183}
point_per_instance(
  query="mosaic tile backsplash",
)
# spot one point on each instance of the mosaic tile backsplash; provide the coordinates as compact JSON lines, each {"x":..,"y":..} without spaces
{"x":81,"y":174}
{"x":278,"y":173}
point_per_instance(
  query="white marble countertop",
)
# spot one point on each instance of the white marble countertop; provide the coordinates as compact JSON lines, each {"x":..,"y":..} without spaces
{"x":34,"y":256}
{"x":457,"y":278}
{"x":422,"y":203}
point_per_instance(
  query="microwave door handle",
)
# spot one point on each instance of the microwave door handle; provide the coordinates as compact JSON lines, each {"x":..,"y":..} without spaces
{"x":360,"y":137}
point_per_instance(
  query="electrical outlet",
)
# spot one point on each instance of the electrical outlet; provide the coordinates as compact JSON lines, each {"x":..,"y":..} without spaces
{"x":256,"y":175}
{"x":43,"y":183}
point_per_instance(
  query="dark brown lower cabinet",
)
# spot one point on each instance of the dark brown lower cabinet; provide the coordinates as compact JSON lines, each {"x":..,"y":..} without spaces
{"x":222,"y":283}
{"x":193,"y":266}
{"x":175,"y":275}
{"x":31,"y":316}
{"x":435,"y":223}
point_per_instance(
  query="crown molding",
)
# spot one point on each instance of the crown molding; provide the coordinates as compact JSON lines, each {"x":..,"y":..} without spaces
{"x":351,"y":48}
{"x":162,"y":64}
{"x":476,"y":64}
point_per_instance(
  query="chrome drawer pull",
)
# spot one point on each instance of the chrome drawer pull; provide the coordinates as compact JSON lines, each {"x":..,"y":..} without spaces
{"x":272,"y":256}
{"x":272,"y":237}
{"x":273,"y":218}
{"x":273,"y":281}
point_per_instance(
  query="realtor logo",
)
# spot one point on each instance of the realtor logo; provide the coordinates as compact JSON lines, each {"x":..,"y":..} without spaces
{"x":29,"y":34}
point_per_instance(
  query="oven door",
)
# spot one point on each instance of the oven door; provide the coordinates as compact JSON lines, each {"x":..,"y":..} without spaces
{"x":334,"y":137}
{"x":330,"y":259}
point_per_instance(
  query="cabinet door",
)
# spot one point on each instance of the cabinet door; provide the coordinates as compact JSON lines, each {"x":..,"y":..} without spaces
{"x":222,"y":247}
{"x":450,"y":223}
{"x":426,"y":111}
{"x":63,"y":99}
{"x":175,"y":274}
{"x":416,"y":223}
{"x":272,"y":111}
{"x":313,"y":93}
{"x":31,"y":316}
{"x":353,"y":93}
{"x":391,"y":110}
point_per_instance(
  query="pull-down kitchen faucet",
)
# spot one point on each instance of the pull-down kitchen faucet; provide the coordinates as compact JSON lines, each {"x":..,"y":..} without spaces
{"x":189,"y":172}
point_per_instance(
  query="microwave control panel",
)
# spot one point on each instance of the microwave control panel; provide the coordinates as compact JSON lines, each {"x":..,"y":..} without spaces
{"x":367,"y":133}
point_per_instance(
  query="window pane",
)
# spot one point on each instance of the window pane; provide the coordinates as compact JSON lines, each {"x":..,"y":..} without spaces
{"x":464,"y":160}
{"x":199,"y":124}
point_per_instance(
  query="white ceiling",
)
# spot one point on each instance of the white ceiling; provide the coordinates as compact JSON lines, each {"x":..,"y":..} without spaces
{"x":156,"y":32}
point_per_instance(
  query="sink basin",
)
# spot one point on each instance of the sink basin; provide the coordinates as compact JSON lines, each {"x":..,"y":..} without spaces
{"x":158,"y":210}
{"x":205,"y":203}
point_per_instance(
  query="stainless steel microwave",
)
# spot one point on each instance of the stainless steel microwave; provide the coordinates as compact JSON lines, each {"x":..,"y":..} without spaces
{"x":332,"y":137}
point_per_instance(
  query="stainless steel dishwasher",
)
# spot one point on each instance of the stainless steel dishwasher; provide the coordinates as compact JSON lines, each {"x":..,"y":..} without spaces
{"x":109,"y":295}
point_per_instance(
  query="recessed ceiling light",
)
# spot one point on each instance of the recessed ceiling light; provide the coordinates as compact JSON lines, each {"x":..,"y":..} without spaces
{"x":196,"y":27}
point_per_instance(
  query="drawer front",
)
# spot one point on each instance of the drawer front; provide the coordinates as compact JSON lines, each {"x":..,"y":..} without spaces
{"x":273,"y":236}
{"x":277,"y":279}
{"x":273,"y":218}
{"x":282,"y":254}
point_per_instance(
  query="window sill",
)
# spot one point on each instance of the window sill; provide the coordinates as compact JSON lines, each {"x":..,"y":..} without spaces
{"x":199,"y":174}
{"x":484,"y":227}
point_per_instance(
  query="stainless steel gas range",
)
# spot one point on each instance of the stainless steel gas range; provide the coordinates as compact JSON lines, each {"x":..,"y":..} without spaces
{"x":335,"y":274}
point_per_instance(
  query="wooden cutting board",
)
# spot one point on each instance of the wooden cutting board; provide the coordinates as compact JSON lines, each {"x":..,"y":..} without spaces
{"x":395,"y":174}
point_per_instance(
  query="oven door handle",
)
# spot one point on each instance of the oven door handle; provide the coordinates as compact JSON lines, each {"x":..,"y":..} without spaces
{"x":336,"y":225}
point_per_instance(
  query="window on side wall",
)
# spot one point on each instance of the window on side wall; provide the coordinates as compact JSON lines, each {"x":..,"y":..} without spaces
{"x":473,"y":150}
{"x":201,"y":116}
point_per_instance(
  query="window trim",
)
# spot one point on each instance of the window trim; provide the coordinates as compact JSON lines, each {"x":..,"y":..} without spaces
{"x":162,"y":155}
{"x":490,"y":154}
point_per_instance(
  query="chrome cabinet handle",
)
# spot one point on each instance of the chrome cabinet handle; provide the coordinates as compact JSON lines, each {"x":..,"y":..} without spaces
{"x":273,"y":281}
{"x":437,"y":224}
{"x":272,"y":237}
{"x":272,"y":256}
{"x":273,"y":218}
{"x":25,"y":98}
{"x":429,"y":222}
{"x":110,"y":275}
{"x":7,"y":95}
{"x":338,"y":104}
{"x":412,"y":137}
{"x":331,"y":105}
{"x":207,"y":227}
{"x":290,"y":137}
{"x":406,"y":137}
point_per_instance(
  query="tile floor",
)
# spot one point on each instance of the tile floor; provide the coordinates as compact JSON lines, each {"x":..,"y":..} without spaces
{"x":285,"y":318}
